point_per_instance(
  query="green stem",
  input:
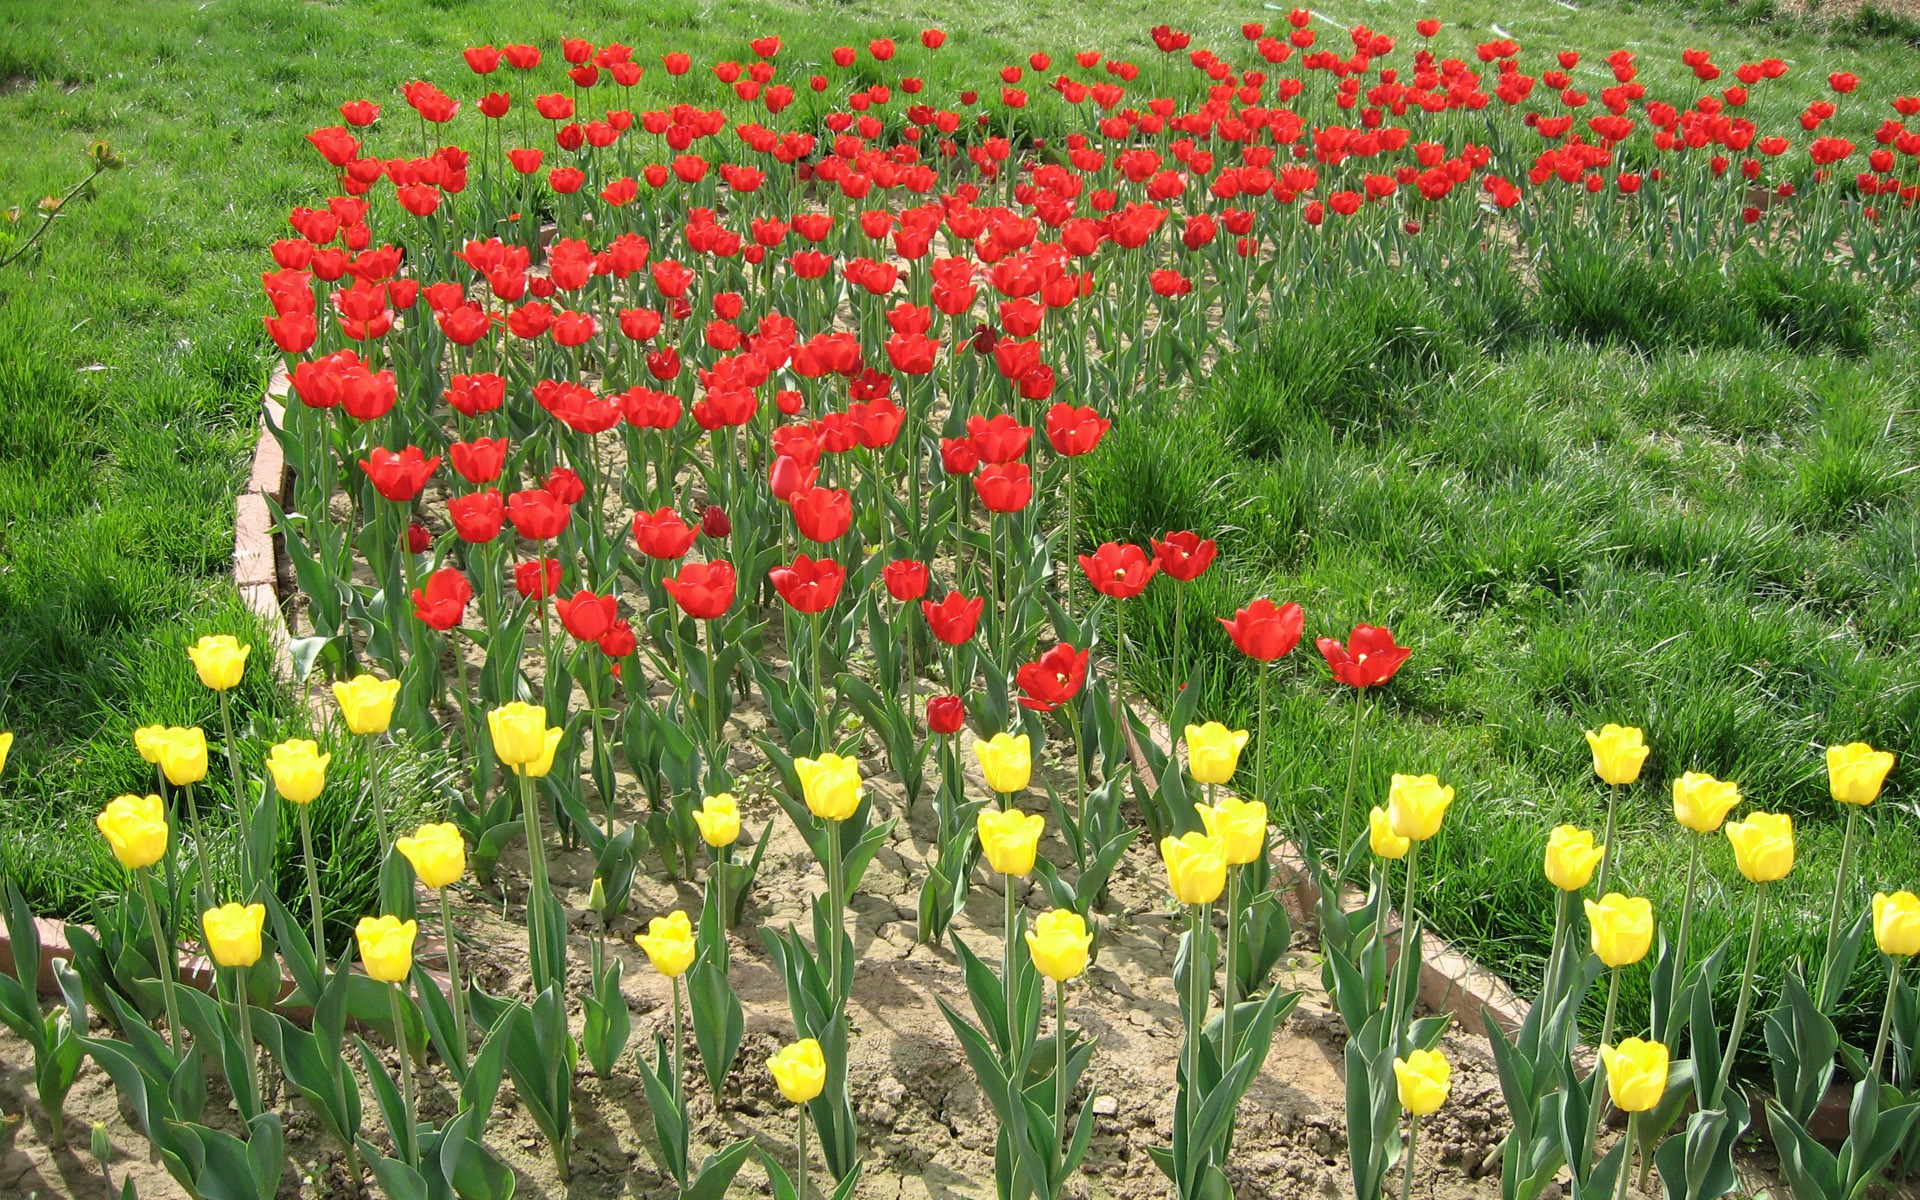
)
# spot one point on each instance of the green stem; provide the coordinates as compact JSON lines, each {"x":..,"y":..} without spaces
{"x":1059,"y":1066}
{"x":536,"y":883}
{"x":409,"y":1143}
{"x":453,"y":978}
{"x":836,"y":909}
{"x":1260,"y":747}
{"x":1839,"y":891}
{"x":1886,"y":1016}
{"x":714,"y":690}
{"x":1550,"y":988}
{"x":1006,"y":960}
{"x":1353,"y":778}
{"x":1228,"y":984}
{"x":313,"y":888}
{"x":245,"y":1030}
{"x":1179,"y":644}
{"x":378,"y":797}
{"x":1406,"y":1170}
{"x":679,"y":1038}
{"x":205,"y":882}
{"x":1746,"y":992}
{"x":1620,"y":1179}
{"x":1686,"y":937}
{"x":239,"y":792}
{"x":163,"y":963}
{"x":1404,"y":966}
{"x":1613,"y":851}
{"x":822,"y":737}
{"x":1067,"y":558}
{"x":800,"y":1155}
{"x":1597,"y":1096}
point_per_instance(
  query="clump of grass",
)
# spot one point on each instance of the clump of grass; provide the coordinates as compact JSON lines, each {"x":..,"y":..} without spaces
{"x":1808,"y":309}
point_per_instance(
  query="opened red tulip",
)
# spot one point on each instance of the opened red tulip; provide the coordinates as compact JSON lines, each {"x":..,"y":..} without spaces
{"x":953,"y":619}
{"x":587,"y":616}
{"x":1074,"y":431}
{"x":1368,"y":659}
{"x":1184,"y":555}
{"x":809,"y":585}
{"x":1052,"y":679}
{"x":1264,"y":631}
{"x":398,"y":476}
{"x":662,"y":534}
{"x":443,"y":602}
{"x":538,"y":515}
{"x":703,"y":590}
{"x":1120,"y":571}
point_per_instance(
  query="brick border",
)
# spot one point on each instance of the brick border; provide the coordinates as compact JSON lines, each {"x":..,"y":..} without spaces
{"x":255,"y":552}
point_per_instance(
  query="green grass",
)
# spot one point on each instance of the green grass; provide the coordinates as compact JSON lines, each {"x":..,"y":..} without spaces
{"x":1636,"y":497}
{"x":1543,"y":522}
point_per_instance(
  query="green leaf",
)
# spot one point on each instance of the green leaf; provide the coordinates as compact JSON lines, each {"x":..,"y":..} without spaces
{"x":718,"y":1021}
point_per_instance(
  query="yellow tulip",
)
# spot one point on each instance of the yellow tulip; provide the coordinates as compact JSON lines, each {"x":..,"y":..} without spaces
{"x":1006,"y":760}
{"x":1622,"y":928}
{"x":136,"y":829}
{"x":6,"y":748}
{"x":367,"y":703}
{"x":1856,"y":771}
{"x":220,"y":659}
{"x":1701,"y":802}
{"x":1763,"y":846}
{"x":1213,"y":751}
{"x":1425,"y":1078}
{"x":831,"y":785}
{"x":1010,"y":838}
{"x":519,"y":732}
{"x":669,"y":943}
{"x":183,"y":755}
{"x":386,"y":947}
{"x":543,"y":763}
{"x":1059,"y":942}
{"x":1241,"y":826}
{"x":299,"y":770}
{"x":719,"y":820}
{"x":1636,"y":1074}
{"x":1896,"y":923}
{"x":1571,"y":857}
{"x":1196,"y":867}
{"x":438,"y":853}
{"x":146,"y":740}
{"x":1415,"y":805}
{"x":233,"y":933}
{"x":1380,"y":835}
{"x":1618,"y":752}
{"x":799,"y":1070}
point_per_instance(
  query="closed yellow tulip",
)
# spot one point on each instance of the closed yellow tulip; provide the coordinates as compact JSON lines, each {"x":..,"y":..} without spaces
{"x":220,"y":659}
{"x":1006,"y":761}
{"x":1381,"y":837}
{"x":1425,"y":1079}
{"x":1856,"y":771}
{"x":136,"y":829}
{"x":1763,"y":846}
{"x":1196,"y":867}
{"x":1241,"y":826}
{"x":438,"y":853}
{"x":1618,"y":752}
{"x":6,"y":748}
{"x":1896,"y":923}
{"x":1213,"y":751}
{"x":1622,"y":928}
{"x":669,"y":943}
{"x":543,"y":763}
{"x":1571,"y":857}
{"x":233,"y":933}
{"x":183,"y":755}
{"x":1636,"y":1074}
{"x":299,"y":770}
{"x":366,"y":703}
{"x":519,"y":732}
{"x":1059,"y":943}
{"x":799,"y":1070}
{"x":1416,"y":804}
{"x":146,"y":740}
{"x":1010,"y":838}
{"x":1701,"y":802}
{"x":831,"y":785}
{"x":719,"y":820}
{"x":386,"y":947}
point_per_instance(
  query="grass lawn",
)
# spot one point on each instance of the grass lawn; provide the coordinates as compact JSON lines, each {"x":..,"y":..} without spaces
{"x":1699,"y":516}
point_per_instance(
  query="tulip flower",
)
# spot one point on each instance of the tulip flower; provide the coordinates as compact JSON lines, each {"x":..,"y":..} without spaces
{"x":1701,"y":802}
{"x":136,"y":831}
{"x":386,"y":950}
{"x":1239,"y":825}
{"x":437,"y":853}
{"x":1213,"y":752}
{"x":1369,"y":658}
{"x":670,"y":944}
{"x":1265,"y":632}
{"x":526,"y":746}
{"x":1381,"y":838}
{"x":232,"y":934}
{"x":799,"y":1070}
{"x":1053,"y":679}
{"x":442,"y":604}
{"x":1572,"y":857}
{"x":1618,"y":752}
{"x":945,"y":714}
{"x":832,"y":789}
{"x":220,"y":659}
{"x":1059,"y":943}
{"x":1196,"y":867}
{"x":1636,"y":1074}
{"x":6,"y":748}
{"x":1896,"y":930}
{"x":704,"y":591}
{"x":1763,"y":846}
{"x":821,"y":514}
{"x":719,"y":820}
{"x":1425,"y":1079}
{"x":954,"y":619}
{"x":1007,"y":762}
{"x":299,"y":773}
{"x":1855,"y":773}
{"x":366,"y":703}
{"x":1416,"y":804}
{"x":1010,"y":839}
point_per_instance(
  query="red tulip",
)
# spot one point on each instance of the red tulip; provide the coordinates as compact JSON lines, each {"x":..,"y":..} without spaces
{"x":587,"y":616}
{"x":1004,"y":487}
{"x":443,"y":602}
{"x":953,"y":619}
{"x":787,"y":477}
{"x":1184,"y":556}
{"x":1074,"y":431}
{"x":703,"y":590}
{"x":821,"y":514}
{"x":536,"y":580}
{"x":1052,"y":679}
{"x":477,"y":518}
{"x":662,"y":534}
{"x":618,"y":641}
{"x":809,"y":585}
{"x":958,"y":457}
{"x":398,"y":476}
{"x":1369,"y":658}
{"x":714,"y":522}
{"x":538,"y":514}
{"x":480,"y":460}
{"x":905,"y":578}
{"x":419,"y":541}
{"x":1120,"y":571}
{"x":567,"y":487}
{"x":1263,"y":631}
{"x":998,"y":439}
{"x":945,"y":714}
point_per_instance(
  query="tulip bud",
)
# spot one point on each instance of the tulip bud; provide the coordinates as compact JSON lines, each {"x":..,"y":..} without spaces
{"x":669,"y":943}
{"x":1425,"y":1079}
{"x":945,"y":714}
{"x":799,"y":1070}
{"x":1622,"y":928}
{"x":1059,"y":943}
{"x":714,"y":523}
{"x":1855,"y":772}
{"x":1381,"y":837}
{"x":1636,"y":1074}
{"x":831,"y":785}
{"x":1571,"y":857}
{"x":1896,"y":923}
{"x":597,"y":895}
{"x":1006,"y":760}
